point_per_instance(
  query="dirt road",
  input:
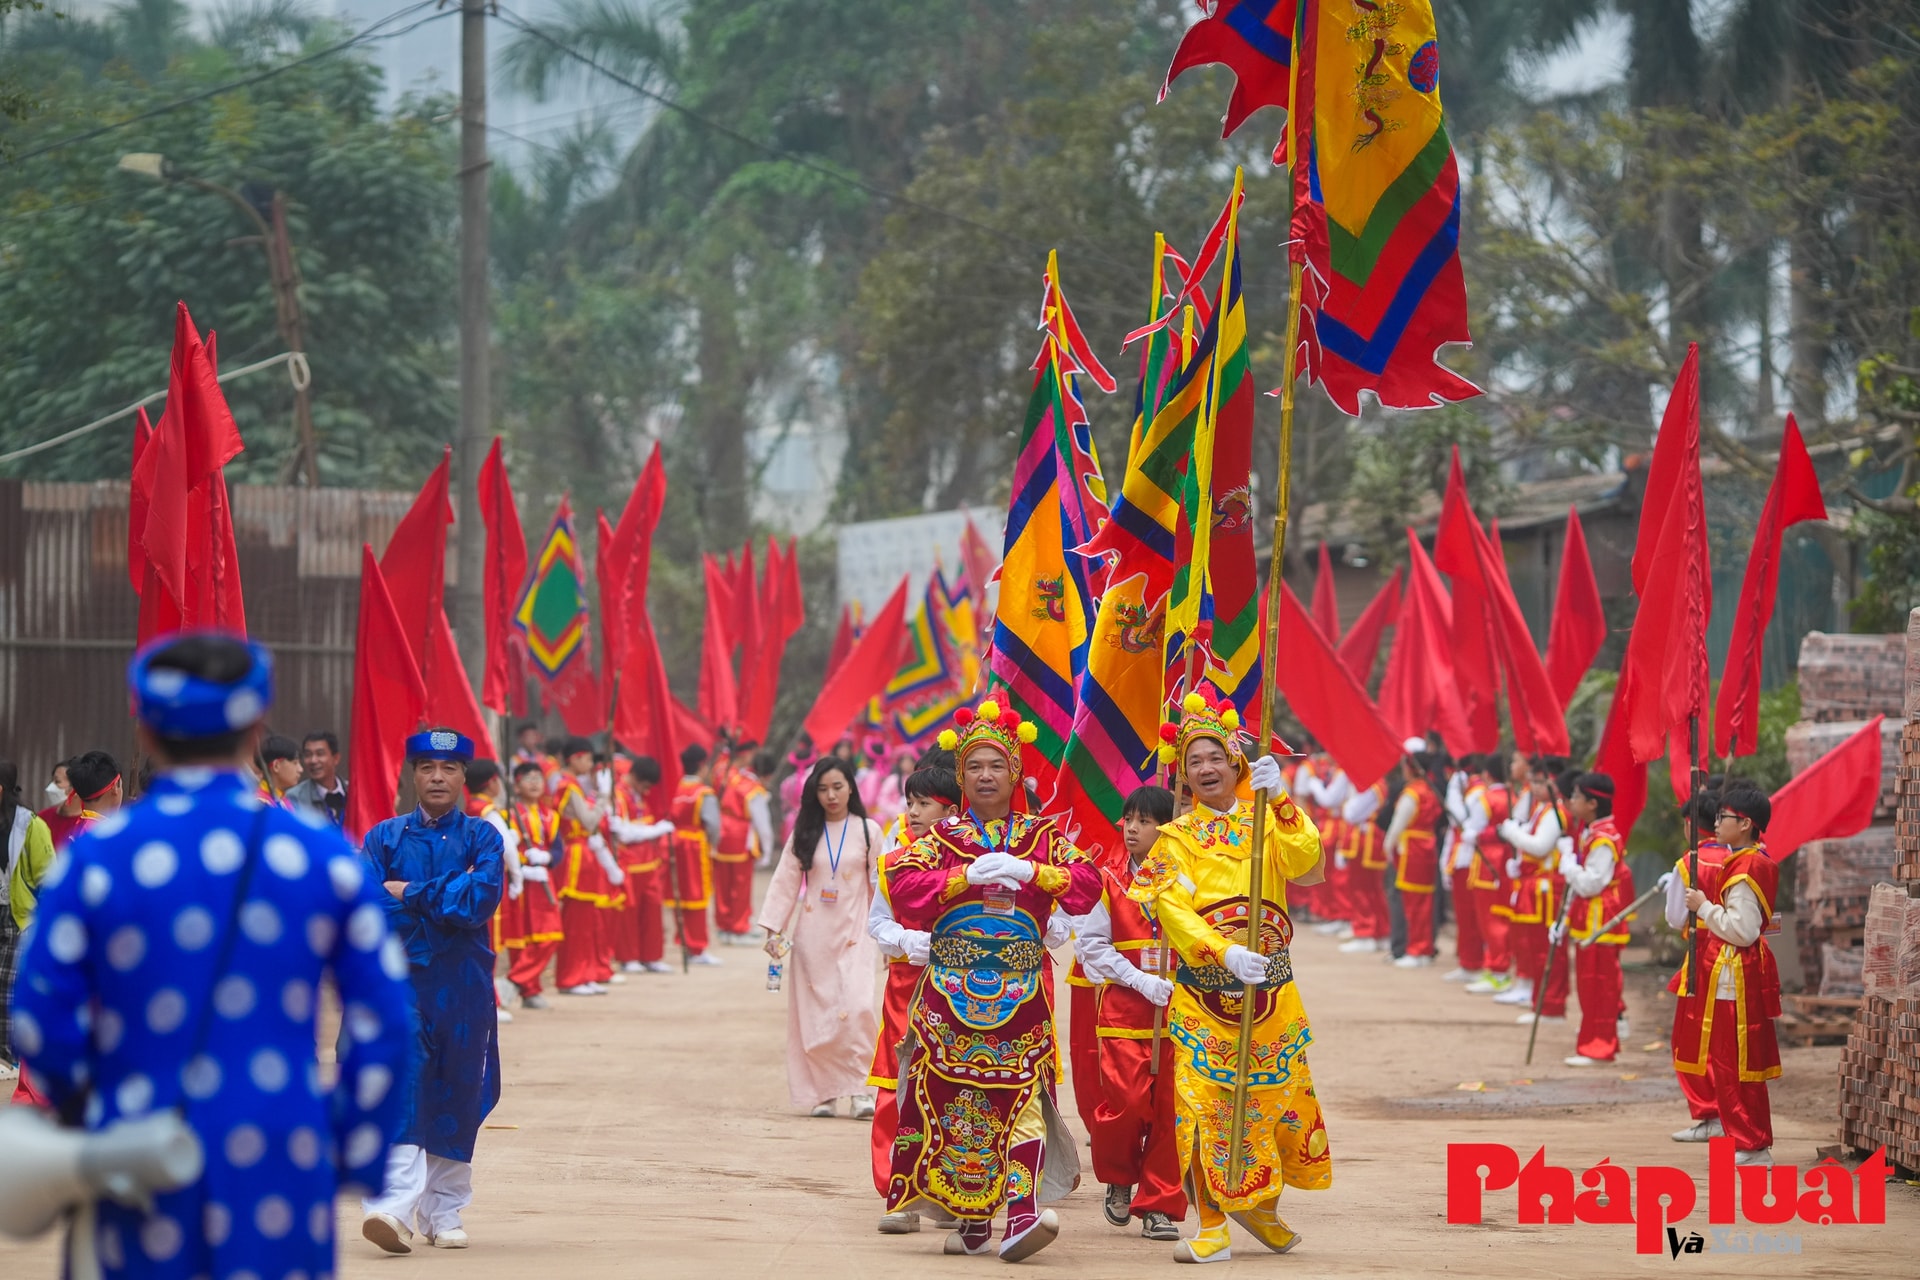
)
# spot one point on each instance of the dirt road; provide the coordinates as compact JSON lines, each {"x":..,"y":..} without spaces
{"x":646,"y":1133}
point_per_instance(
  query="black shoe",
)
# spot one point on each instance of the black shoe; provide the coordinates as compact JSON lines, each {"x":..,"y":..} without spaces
{"x":1119,"y":1205}
{"x":1158,"y":1226}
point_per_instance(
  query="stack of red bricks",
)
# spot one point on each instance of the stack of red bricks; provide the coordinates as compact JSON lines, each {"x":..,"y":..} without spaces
{"x":1844,"y":682}
{"x":1880,"y":1067}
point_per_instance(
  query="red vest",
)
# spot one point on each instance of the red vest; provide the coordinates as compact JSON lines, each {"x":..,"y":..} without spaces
{"x":737,"y":843}
{"x":688,"y":800}
{"x":1123,"y":1012}
{"x":1533,"y":899}
{"x":1490,"y":852}
{"x":1419,"y":851}
{"x":1590,"y":914}
{"x":1756,"y":977}
{"x":646,"y":854}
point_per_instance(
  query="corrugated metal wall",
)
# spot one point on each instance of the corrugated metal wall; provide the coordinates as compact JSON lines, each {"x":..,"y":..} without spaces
{"x":68,"y":613}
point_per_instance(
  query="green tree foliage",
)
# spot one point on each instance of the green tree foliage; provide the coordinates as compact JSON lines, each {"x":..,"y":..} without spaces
{"x":92,"y":259}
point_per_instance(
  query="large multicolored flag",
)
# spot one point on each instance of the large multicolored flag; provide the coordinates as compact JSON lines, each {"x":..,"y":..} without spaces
{"x":1376,"y":208}
{"x":552,"y":617}
{"x":931,"y":683}
{"x":1045,"y":607}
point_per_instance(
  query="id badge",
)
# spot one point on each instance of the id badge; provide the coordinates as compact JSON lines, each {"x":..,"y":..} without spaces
{"x":1150,"y":959}
{"x":999,"y":901}
{"x":830,"y":893}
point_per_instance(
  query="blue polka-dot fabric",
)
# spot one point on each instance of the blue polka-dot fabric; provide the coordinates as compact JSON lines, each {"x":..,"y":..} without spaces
{"x":453,"y":867}
{"x":118,"y":970}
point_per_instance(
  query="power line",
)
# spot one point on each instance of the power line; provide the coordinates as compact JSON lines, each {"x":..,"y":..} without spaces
{"x":370,"y":33}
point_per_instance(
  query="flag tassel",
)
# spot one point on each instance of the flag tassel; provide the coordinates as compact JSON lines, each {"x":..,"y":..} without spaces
{"x":1269,"y":669}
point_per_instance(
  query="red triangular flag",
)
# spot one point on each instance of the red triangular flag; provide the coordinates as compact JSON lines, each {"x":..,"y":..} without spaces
{"x":1326,"y":599}
{"x":610,"y":577}
{"x":865,"y":671}
{"x":1579,"y":623}
{"x":1474,"y":663}
{"x":506,"y":574}
{"x":843,"y":641}
{"x":1615,"y":759}
{"x":644,"y":719}
{"x":137,"y":504}
{"x":1328,"y":700}
{"x":389,"y":702}
{"x":1832,"y":798}
{"x":747,"y":631}
{"x":1419,"y":693}
{"x":1539,"y":724}
{"x":1794,"y":496}
{"x":719,"y":696}
{"x":1361,"y":648}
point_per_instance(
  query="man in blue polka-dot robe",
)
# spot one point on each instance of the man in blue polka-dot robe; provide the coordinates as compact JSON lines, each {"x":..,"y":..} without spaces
{"x":175,"y":962}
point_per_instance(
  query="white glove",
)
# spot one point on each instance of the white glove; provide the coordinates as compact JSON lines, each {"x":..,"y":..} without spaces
{"x":536,"y":857}
{"x":999,"y":866}
{"x":536,"y":874}
{"x":917,"y":945}
{"x":608,"y":863}
{"x":1568,"y":865}
{"x":1514,"y":866}
{"x":1339,"y":862}
{"x":603,"y":782}
{"x":1245,"y":965}
{"x":1265,"y":776}
{"x":1059,"y":929}
{"x":1557,"y":932}
{"x":1665,"y":881}
{"x":514,"y":890}
{"x":1157,"y":990}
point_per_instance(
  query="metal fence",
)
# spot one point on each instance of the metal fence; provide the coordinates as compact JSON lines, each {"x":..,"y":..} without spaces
{"x":68,"y":612}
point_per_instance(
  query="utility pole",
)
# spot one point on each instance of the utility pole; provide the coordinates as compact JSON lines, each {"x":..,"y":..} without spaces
{"x":475,"y":335}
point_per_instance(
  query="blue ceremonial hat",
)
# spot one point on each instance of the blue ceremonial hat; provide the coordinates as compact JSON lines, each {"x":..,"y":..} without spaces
{"x":178,"y":704}
{"x":440,"y":744}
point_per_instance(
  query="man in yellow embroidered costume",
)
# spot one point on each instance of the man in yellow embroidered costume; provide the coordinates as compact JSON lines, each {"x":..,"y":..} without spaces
{"x":977,"y":1127}
{"x":1196,"y":878}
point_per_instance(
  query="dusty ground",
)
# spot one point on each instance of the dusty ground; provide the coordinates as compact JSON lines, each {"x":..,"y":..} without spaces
{"x":647,"y":1133}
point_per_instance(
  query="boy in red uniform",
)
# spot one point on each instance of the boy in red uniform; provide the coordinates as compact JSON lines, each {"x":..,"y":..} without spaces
{"x":1488,"y":803}
{"x":1135,"y":1151}
{"x":1602,"y":885}
{"x":590,"y":878}
{"x":1414,"y":842}
{"x":1533,"y":903}
{"x":932,"y":793}
{"x":533,"y":931}
{"x":1729,"y":990}
{"x":696,"y":826}
{"x":641,"y":845}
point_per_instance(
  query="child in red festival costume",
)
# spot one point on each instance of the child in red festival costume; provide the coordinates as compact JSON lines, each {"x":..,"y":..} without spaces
{"x":641,"y":845}
{"x":1414,"y":842}
{"x":533,"y":930}
{"x":1365,"y":855}
{"x":1729,"y":990}
{"x":1488,"y":802}
{"x":932,"y":793}
{"x":1135,"y":1151}
{"x":1602,"y":885}
{"x":1534,"y":902}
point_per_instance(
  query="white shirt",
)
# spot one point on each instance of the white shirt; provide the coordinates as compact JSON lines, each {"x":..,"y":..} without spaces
{"x":1735,"y":920}
{"x":1362,"y":806}
{"x":1331,"y":794}
{"x":1536,"y":841}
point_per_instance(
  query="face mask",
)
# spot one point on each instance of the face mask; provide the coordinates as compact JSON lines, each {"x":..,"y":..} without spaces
{"x":56,"y":794}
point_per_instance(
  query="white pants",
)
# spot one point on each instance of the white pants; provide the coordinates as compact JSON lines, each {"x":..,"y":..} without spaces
{"x":425,"y":1192}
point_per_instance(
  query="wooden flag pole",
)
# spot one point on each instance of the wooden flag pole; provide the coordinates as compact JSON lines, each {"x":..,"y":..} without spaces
{"x":1269,"y":669}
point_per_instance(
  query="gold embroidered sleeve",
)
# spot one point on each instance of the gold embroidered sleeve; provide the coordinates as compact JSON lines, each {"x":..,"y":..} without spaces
{"x":955,"y":886}
{"x":918,"y":856}
{"x":1051,"y":881}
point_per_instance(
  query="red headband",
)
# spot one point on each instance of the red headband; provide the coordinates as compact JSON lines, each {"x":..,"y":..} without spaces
{"x":102,"y":791}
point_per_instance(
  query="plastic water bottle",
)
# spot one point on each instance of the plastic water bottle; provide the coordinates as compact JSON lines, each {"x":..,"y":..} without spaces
{"x":774,"y":970}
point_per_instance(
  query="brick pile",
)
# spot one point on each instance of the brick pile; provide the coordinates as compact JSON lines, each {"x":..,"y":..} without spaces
{"x":1880,"y":1066}
{"x":1851,"y":677}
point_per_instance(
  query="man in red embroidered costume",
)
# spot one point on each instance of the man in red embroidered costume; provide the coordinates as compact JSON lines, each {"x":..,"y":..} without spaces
{"x":746,"y":836}
{"x":590,"y":878}
{"x":1135,"y":1151}
{"x":1486,"y":804}
{"x":1413,"y":840}
{"x":1730,"y":991}
{"x":1601,"y":883}
{"x":932,"y":795}
{"x":533,"y":930}
{"x":977,"y":1125}
{"x":696,"y":826}
{"x":1533,"y":902}
{"x":1196,"y":880}
{"x":641,"y":845}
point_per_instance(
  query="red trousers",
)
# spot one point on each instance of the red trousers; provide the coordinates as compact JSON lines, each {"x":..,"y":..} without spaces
{"x":692,"y":881}
{"x":733,"y":894}
{"x":1743,"y":1107}
{"x":527,"y":964}
{"x":1133,"y":1135}
{"x":1083,"y":1051}
{"x":1419,"y":911}
{"x":636,"y":927}
{"x":1367,"y":890}
{"x":1469,"y":947}
{"x":583,"y":950}
{"x":1495,"y":954}
{"x":1335,"y":893}
{"x":1597,"y":975}
{"x":1530,"y":954}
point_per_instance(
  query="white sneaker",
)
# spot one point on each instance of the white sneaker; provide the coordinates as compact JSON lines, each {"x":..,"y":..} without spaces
{"x":1763,"y":1156}
{"x":657,"y":966}
{"x":706,"y":958}
{"x":1330,"y":926}
{"x":1413,"y":962}
{"x":1548,"y":1019}
{"x":451,"y":1238}
{"x":1358,"y":945}
{"x":386,"y":1231}
{"x":1457,"y":974}
{"x":584,"y":989}
{"x":1582,"y":1060}
{"x":1518,"y":993}
{"x":862,"y":1108}
{"x":1622,"y":1028}
{"x":633,"y":966}
{"x":617,"y":978}
{"x":823,"y":1111}
{"x":1346,"y":932}
{"x":1489,"y":984}
{"x":1705,"y":1131}
{"x":501,"y":1015}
